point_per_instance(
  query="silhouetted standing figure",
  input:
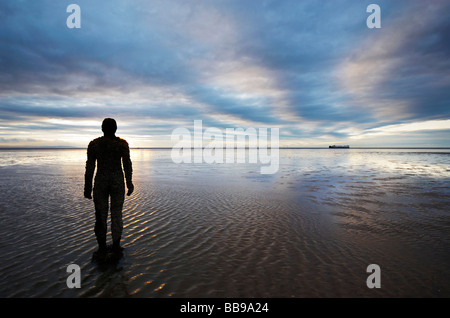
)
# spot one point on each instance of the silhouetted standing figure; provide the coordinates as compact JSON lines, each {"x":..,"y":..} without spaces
{"x":110,"y":152}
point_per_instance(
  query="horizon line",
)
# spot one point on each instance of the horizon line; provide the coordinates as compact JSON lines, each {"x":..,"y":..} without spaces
{"x":310,"y":147}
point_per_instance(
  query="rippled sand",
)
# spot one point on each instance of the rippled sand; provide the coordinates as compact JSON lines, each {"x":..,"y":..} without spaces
{"x":200,"y":230}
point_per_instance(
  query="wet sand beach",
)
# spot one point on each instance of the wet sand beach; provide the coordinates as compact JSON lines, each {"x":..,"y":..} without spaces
{"x":225,"y":230}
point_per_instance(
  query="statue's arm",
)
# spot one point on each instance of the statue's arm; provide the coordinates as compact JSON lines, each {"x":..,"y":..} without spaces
{"x":128,"y":168}
{"x":90,"y":168}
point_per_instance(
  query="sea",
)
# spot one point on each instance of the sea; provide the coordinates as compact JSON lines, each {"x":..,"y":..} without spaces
{"x":316,"y":228}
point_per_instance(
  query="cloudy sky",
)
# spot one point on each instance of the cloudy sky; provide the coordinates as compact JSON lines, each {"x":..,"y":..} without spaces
{"x":311,"y":68}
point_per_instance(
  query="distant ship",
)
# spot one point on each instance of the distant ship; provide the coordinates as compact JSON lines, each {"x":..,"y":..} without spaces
{"x":334,"y":146}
